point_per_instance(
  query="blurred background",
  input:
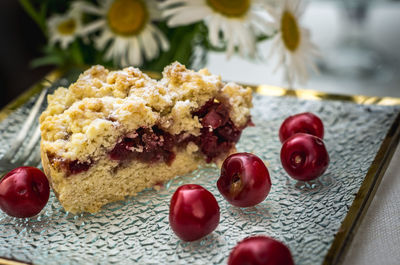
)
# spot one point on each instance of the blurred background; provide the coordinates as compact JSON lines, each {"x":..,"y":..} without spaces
{"x":359,"y":42}
{"x":21,"y":41}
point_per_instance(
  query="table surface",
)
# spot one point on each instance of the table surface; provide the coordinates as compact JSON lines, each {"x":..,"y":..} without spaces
{"x":378,"y":238}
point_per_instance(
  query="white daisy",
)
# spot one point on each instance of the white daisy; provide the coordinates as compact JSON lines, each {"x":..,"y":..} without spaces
{"x":292,"y":42}
{"x":126,"y":29}
{"x":63,"y":29}
{"x":235,"y":23}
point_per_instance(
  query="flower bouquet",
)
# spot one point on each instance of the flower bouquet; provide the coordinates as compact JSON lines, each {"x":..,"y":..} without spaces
{"x":151,"y":34}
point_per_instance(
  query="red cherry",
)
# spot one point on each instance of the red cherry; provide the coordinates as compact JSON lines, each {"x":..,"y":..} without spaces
{"x":301,"y":123}
{"x":24,"y":192}
{"x":193,"y":212}
{"x":216,"y":117}
{"x":244,"y":180}
{"x":260,"y":250}
{"x":304,"y":156}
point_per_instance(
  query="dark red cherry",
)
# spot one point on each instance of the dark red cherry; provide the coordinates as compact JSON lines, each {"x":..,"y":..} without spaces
{"x":24,"y":192}
{"x":304,"y":156}
{"x":76,"y":167}
{"x":216,"y":117}
{"x":301,"y":123}
{"x":244,"y":180}
{"x":260,"y":250}
{"x":193,"y":212}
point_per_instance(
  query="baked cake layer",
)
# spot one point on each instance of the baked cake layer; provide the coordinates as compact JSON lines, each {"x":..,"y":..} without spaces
{"x":110,"y":131}
{"x":111,"y":181}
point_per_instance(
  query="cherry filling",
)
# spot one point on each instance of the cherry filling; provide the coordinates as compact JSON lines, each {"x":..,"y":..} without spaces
{"x":70,"y":167}
{"x":218,"y":136}
{"x":75,"y":167}
{"x":147,"y":145}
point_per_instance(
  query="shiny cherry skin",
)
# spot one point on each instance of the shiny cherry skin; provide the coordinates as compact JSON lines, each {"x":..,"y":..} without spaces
{"x":24,"y":191}
{"x":244,"y":180}
{"x":304,"y":156}
{"x":260,"y":250}
{"x":193,"y":212}
{"x":301,"y":123}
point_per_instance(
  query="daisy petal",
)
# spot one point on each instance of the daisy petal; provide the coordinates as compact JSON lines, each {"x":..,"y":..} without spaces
{"x":213,"y":30}
{"x":160,"y":36}
{"x":110,"y":52}
{"x":135,"y":54}
{"x":81,"y":6}
{"x":230,"y":39}
{"x":265,"y":25}
{"x":102,"y":40}
{"x":149,"y":44}
{"x":167,"y":3}
{"x":94,"y":26}
{"x":189,"y":17}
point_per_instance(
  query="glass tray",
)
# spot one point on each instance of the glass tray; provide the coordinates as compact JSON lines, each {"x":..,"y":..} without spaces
{"x":316,"y":220}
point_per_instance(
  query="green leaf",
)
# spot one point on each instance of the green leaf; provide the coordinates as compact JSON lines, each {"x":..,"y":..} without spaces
{"x":181,"y":42}
{"x":47,"y":60}
{"x":39,"y":18}
{"x":184,"y":49}
{"x":76,"y":53}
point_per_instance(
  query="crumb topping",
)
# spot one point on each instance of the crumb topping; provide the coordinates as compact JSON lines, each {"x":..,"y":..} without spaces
{"x":87,"y":119}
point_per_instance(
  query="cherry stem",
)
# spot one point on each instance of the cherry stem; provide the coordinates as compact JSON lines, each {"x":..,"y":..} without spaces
{"x":236,"y":185}
{"x":298,"y":159}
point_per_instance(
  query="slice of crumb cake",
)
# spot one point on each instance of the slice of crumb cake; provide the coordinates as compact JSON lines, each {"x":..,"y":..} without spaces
{"x":112,"y":134}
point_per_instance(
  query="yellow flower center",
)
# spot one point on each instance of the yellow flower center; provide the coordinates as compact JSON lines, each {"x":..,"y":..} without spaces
{"x":127,"y":17}
{"x":230,"y":8}
{"x":290,"y":31}
{"x":67,"y":27}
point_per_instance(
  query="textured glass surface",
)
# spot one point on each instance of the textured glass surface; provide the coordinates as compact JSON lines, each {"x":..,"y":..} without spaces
{"x":305,"y":216}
